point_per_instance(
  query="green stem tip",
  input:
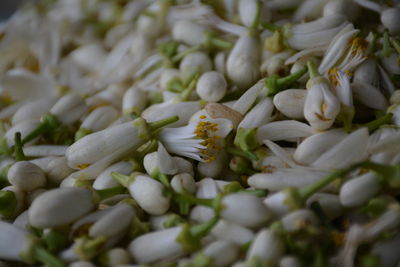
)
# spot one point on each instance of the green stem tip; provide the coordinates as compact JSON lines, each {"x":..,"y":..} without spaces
{"x":153,"y":126}
{"x":312,"y":69}
{"x":45,"y":257}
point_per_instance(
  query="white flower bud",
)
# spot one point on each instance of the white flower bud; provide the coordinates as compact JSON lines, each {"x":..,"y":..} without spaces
{"x":232,"y":232}
{"x":25,"y":128}
{"x":206,"y":188}
{"x":390,"y":18}
{"x":267,"y":246}
{"x":105,"y":180}
{"x":259,"y":115}
{"x":245,"y":209}
{"x":390,"y":63}
{"x":57,"y":170}
{"x":213,"y":168}
{"x":247,"y":11}
{"x":156,"y":246}
{"x":309,"y":10}
{"x":184,"y":166}
{"x":58,"y":207}
{"x":359,"y":190}
{"x":100,"y":118}
{"x":282,"y":178}
{"x":149,"y":195}
{"x":168,"y":75}
{"x":188,"y":32}
{"x":219,"y":62}
{"x":183,"y":181}
{"x":69,"y":108}
{"x":134,"y":100}
{"x":118,"y":256}
{"x":184,"y":110}
{"x":291,"y":103}
{"x":277,"y":203}
{"x":298,"y":220}
{"x":106,"y":225}
{"x":342,"y":7}
{"x":321,"y":106}
{"x":367,"y":72}
{"x":26,"y":176}
{"x":289,"y":261}
{"x":112,"y":95}
{"x":89,"y":57}
{"x":211,"y":86}
{"x":196,"y":62}
{"x":222,"y":253}
{"x":82,"y":264}
{"x":13,"y":242}
{"x":243,"y":66}
{"x":114,"y":140}
{"x":313,"y":146}
{"x":369,"y":95}
{"x":290,"y":130}
{"x":33,"y":110}
{"x":352,"y":149}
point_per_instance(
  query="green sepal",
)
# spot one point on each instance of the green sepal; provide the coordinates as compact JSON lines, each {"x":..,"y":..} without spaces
{"x":293,"y":199}
{"x":275,"y":43}
{"x":175,"y":85}
{"x":375,"y":207}
{"x":232,"y":187}
{"x":173,"y":220}
{"x":4,"y":176}
{"x":138,"y":228}
{"x":55,"y":240}
{"x":8,"y":204}
{"x":202,"y":260}
{"x":47,"y":258}
{"x":81,"y":133}
{"x":109,"y":192}
{"x":255,"y":262}
{"x":241,"y":165}
{"x":346,"y":116}
{"x":4,"y":148}
{"x":246,"y":140}
{"x":370,"y":261}
{"x":87,"y":248}
{"x":48,"y":124}
{"x":123,"y":179}
{"x":168,"y":49}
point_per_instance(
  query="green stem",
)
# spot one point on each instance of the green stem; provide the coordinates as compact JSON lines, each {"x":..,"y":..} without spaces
{"x":19,"y":152}
{"x":178,"y":57}
{"x":211,"y":41}
{"x":312,"y":69}
{"x":163,"y":179}
{"x":386,"y":49}
{"x":307,"y":191}
{"x":396,"y":44}
{"x":8,"y":203}
{"x":49,"y":123}
{"x":184,"y":96}
{"x":276,"y":84}
{"x":256,"y":21}
{"x":109,"y":192}
{"x":200,"y":230}
{"x":47,"y":258}
{"x":124,"y":180}
{"x":188,"y":198}
{"x":375,"y":124}
{"x":153,"y":126}
{"x":269,"y":26}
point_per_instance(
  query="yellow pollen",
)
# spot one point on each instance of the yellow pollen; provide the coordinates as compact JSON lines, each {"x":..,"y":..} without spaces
{"x":358,"y":45}
{"x":204,"y":130}
{"x":83,"y":166}
{"x":323,"y":107}
{"x":203,"y":116}
{"x":333,"y":76}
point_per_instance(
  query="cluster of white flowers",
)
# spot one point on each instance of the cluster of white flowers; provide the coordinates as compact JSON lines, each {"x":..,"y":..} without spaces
{"x":189,"y":133}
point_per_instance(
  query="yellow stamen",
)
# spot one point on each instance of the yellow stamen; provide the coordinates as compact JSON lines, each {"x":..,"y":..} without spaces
{"x":83,"y":166}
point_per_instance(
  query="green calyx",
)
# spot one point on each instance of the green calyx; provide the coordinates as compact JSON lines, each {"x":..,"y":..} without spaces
{"x":4,"y":148}
{"x":173,"y":220}
{"x":390,"y":174}
{"x":255,"y":262}
{"x":246,"y":140}
{"x":55,"y":240}
{"x":138,"y":227}
{"x":148,"y":129}
{"x":190,"y":236}
{"x":312,"y":69}
{"x":123,"y":179}
{"x":241,"y":165}
{"x":346,"y":116}
{"x":202,"y":260}
{"x":48,"y":124}
{"x":8,"y":204}
{"x":275,"y":43}
{"x":275,"y":84}
{"x":87,"y":248}
{"x":82,"y":132}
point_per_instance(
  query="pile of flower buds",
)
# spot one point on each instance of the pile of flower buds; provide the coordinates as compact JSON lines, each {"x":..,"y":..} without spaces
{"x":183,"y":133}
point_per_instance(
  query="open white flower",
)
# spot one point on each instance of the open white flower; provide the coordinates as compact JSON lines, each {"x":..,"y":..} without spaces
{"x":199,"y":140}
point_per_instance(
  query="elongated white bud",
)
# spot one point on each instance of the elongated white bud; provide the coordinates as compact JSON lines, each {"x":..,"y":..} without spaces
{"x":351,"y":149}
{"x":259,"y":115}
{"x":13,"y":242}
{"x":298,"y":220}
{"x":291,"y":103}
{"x":245,"y":209}
{"x":106,"y":226}
{"x":289,"y":130}
{"x":359,"y":190}
{"x":156,"y":246}
{"x":196,"y":62}
{"x":243,"y":66}
{"x":232,"y":232}
{"x":222,"y":253}
{"x":60,"y":207}
{"x":188,"y":32}
{"x":366,"y":72}
{"x":266,"y":246}
{"x":285,"y":177}
{"x":134,"y":100}
{"x":369,"y":95}
{"x":69,"y":108}
{"x":95,"y":146}
{"x":100,"y":118}
{"x":349,"y":9}
{"x":247,"y":11}
{"x":26,"y":176}
{"x":183,"y":181}
{"x":57,"y":170}
{"x":313,"y":146}
{"x":149,"y":195}
{"x":33,"y":110}
{"x":211,"y":86}
{"x":118,"y":256}
{"x":105,"y":180}
{"x":277,"y":203}
{"x":309,"y":10}
{"x":90,"y":57}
